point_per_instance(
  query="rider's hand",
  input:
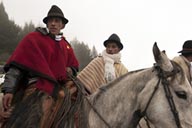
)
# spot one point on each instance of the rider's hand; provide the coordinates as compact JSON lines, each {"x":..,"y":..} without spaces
{"x":69,"y":70}
{"x":7,"y":99}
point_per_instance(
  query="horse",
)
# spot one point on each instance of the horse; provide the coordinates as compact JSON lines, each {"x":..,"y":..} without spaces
{"x":162,"y":94}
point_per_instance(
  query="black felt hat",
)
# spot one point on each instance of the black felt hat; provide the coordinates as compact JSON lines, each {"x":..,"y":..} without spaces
{"x":114,"y":38}
{"x":187,"y":47}
{"x":55,"y":12}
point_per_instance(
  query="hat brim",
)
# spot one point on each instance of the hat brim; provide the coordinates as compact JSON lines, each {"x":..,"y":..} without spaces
{"x":64,"y":20}
{"x":185,"y":51}
{"x":120,"y":45}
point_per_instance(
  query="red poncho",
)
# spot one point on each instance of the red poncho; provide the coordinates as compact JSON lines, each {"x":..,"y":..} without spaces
{"x":45,"y":57}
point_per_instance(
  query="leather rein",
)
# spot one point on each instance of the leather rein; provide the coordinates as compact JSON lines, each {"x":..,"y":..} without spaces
{"x":163,"y":78}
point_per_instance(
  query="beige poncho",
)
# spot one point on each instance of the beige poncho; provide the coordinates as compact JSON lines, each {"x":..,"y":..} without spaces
{"x":93,"y":75}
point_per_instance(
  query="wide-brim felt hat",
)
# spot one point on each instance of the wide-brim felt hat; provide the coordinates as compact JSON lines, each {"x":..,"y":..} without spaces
{"x":114,"y":38}
{"x":55,"y":11}
{"x":187,"y":47}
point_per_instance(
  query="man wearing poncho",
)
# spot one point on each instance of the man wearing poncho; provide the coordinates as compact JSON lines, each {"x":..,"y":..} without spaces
{"x":104,"y":68}
{"x":35,"y":74}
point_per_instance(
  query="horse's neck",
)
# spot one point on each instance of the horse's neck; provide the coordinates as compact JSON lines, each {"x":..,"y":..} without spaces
{"x":119,"y":98}
{"x":129,"y":83}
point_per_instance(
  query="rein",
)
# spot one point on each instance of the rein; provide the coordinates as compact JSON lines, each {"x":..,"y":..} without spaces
{"x":84,"y":94}
{"x":66,"y":110}
{"x":144,"y":112}
{"x":163,"y":76}
{"x":171,"y":102}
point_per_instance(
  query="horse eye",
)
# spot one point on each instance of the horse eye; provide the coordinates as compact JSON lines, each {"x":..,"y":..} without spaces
{"x":181,"y":94}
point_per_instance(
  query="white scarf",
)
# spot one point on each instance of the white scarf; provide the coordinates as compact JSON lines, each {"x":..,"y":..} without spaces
{"x":109,"y":60}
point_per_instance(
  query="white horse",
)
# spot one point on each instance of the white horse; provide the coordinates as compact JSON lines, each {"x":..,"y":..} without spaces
{"x":161,"y":93}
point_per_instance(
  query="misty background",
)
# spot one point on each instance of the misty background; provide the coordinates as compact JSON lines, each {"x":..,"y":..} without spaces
{"x":138,"y":23}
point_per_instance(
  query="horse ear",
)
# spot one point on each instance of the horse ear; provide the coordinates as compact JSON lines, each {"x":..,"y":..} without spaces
{"x":156,"y":52}
{"x":161,"y":58}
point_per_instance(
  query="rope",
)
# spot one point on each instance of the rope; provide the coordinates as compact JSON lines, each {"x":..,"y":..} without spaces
{"x":80,"y":88}
{"x":155,"y":89}
{"x":65,"y":109}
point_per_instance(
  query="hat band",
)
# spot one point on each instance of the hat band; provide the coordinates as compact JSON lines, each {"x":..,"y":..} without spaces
{"x":187,"y":49}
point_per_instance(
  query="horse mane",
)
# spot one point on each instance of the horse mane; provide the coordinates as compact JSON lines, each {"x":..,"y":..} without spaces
{"x":106,"y":87}
{"x":111,"y":84}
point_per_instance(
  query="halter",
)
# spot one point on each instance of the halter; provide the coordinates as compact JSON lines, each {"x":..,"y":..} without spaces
{"x":163,"y":75}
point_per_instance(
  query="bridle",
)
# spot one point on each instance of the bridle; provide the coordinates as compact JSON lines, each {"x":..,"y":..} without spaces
{"x":163,"y":78}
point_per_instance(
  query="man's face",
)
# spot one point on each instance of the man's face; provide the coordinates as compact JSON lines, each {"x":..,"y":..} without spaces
{"x":189,"y":58}
{"x":55,"y":24}
{"x":112,"y":48}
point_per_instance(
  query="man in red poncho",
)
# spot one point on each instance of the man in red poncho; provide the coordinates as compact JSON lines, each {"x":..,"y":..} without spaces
{"x":36,"y":76}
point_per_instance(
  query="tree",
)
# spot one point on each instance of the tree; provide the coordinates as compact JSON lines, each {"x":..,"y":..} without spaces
{"x":29,"y":27}
{"x":94,"y":52}
{"x":82,"y":53}
{"x":8,"y":33}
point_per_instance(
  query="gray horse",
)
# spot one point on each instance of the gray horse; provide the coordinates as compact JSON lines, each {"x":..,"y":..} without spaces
{"x":162,"y":94}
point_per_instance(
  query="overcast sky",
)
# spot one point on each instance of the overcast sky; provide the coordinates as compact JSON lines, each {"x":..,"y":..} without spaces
{"x":139,"y":23}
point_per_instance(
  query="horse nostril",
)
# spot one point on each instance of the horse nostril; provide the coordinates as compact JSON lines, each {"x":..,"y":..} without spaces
{"x":181,"y":94}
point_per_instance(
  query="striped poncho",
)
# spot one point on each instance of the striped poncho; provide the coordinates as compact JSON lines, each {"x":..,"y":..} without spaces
{"x":92,"y":76}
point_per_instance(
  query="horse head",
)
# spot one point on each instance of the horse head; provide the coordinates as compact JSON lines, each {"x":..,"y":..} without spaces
{"x":170,"y":105}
